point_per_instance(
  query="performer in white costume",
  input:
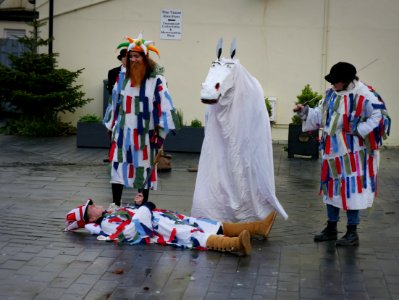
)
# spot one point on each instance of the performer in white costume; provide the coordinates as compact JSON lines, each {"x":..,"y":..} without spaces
{"x":235,"y":180}
{"x":143,"y":223}
{"x":354,"y":121}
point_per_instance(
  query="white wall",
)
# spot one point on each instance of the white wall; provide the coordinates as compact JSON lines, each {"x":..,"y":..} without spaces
{"x":285,"y":44}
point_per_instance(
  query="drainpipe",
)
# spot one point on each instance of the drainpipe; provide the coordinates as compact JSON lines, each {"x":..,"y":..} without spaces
{"x":324,"y":48}
{"x":50,"y":26}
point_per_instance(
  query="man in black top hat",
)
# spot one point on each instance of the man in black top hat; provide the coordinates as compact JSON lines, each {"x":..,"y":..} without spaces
{"x":113,"y":73}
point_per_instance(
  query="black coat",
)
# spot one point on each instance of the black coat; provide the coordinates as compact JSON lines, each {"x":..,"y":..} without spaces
{"x":112,"y":75}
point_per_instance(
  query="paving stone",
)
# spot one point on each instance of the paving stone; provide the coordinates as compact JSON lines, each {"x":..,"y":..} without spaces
{"x":39,"y":261}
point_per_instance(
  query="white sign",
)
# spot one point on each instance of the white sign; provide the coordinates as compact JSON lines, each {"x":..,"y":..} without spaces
{"x":171,"y":24}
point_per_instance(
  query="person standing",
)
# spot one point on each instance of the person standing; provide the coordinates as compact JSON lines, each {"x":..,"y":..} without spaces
{"x":354,"y":121}
{"x":114,"y":73}
{"x":141,"y":123}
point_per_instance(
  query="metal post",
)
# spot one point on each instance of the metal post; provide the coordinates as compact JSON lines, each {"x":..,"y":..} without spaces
{"x":50,"y":24}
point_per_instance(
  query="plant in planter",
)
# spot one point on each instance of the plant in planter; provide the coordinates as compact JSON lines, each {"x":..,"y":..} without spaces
{"x":187,"y":138}
{"x":269,"y":109}
{"x":91,"y":132}
{"x":304,"y":143}
{"x":196,"y":123}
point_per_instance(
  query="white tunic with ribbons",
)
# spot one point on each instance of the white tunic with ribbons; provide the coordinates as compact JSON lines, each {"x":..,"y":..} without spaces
{"x":355,"y":124}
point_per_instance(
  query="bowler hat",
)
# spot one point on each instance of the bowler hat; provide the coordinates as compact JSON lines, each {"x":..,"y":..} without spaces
{"x":341,"y":72}
{"x":122,"y":53}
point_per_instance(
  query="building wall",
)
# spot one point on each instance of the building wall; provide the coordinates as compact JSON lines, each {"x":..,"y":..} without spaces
{"x":285,"y":44}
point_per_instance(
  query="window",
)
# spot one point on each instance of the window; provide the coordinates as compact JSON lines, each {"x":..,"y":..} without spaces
{"x":14,"y":34}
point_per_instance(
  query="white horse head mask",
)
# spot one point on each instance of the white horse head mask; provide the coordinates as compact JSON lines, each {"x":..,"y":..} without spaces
{"x":219,"y":79}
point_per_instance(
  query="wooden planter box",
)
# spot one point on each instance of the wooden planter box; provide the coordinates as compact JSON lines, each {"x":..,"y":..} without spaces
{"x":92,"y":135}
{"x":187,"y":139}
{"x":302,"y":143}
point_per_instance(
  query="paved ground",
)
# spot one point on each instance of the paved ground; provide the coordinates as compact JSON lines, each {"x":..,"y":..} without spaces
{"x":42,"y":179}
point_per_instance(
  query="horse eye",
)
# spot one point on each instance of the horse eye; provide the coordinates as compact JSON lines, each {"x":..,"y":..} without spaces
{"x":217,"y":86}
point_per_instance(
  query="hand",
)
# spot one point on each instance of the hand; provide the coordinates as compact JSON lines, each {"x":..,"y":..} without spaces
{"x":302,"y":111}
{"x":138,"y":199}
{"x":298,"y":107}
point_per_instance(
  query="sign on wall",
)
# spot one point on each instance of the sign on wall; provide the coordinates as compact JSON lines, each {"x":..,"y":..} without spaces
{"x":171,"y":24}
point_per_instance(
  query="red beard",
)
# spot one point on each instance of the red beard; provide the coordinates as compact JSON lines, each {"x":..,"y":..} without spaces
{"x":137,"y":73}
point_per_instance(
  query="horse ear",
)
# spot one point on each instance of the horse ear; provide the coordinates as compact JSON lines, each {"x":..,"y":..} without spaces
{"x":233,"y":48}
{"x":219,"y":47}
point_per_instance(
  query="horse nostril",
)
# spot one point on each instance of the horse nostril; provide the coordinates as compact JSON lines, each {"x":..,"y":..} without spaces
{"x":217,"y":86}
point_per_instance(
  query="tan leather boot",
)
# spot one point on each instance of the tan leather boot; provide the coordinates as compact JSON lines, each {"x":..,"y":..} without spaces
{"x":261,"y":228}
{"x":240,"y":244}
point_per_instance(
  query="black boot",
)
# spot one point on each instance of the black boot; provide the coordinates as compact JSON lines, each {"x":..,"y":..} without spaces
{"x":350,"y":238}
{"x":328,"y":234}
{"x":117,"y":190}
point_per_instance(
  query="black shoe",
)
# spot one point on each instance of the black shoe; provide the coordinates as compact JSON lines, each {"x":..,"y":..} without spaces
{"x":329,"y":233}
{"x":106,"y":160}
{"x":350,"y":238}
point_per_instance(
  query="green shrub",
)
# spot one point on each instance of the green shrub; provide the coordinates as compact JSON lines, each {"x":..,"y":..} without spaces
{"x":268,"y":106}
{"x":180,"y":120}
{"x":38,"y":91}
{"x":34,"y":126}
{"x":90,"y":119}
{"x":309,"y":97}
{"x":196,"y":123}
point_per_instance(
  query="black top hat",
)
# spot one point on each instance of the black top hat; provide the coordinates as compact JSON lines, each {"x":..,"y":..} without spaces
{"x":341,"y":72}
{"x":122,"y":53}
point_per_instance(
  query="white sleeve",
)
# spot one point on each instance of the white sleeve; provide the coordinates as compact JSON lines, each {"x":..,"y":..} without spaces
{"x":314,"y":119}
{"x":93,"y":228}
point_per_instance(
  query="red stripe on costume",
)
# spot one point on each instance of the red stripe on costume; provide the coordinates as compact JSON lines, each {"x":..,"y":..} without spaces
{"x":145,"y":153}
{"x":136,"y":139}
{"x":153,"y":175}
{"x":128,"y":104}
{"x":338,"y":165}
{"x":346,"y":123}
{"x":328,"y":144}
{"x":353,"y":162}
{"x":371,"y":166}
{"x":345,"y":141}
{"x":324,"y":170}
{"x":115,"y":220}
{"x":160,"y":240}
{"x":159,"y":110}
{"x":112,"y":151}
{"x":361,"y":143}
{"x":160,"y":88}
{"x":345,"y":117}
{"x":181,"y":217}
{"x":343,"y":193}
{"x":331,"y":188}
{"x":373,"y":144}
{"x":119,"y":230}
{"x":172,"y":235}
{"x":359,"y":106}
{"x":131,"y":171}
{"x":359,"y":184}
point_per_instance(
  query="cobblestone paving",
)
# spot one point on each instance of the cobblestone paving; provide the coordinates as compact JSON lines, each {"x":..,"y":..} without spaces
{"x":42,"y":179}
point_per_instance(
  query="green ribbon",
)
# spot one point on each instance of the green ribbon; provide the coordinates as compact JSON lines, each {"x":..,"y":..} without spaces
{"x":139,"y":178}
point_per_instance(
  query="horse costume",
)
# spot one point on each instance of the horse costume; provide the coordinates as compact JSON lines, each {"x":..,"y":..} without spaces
{"x":235,"y":180}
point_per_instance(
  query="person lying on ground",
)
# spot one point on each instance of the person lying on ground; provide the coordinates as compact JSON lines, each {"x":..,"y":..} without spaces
{"x":144,"y":223}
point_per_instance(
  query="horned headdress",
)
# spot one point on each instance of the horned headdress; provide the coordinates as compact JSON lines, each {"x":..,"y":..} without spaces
{"x":139,"y":45}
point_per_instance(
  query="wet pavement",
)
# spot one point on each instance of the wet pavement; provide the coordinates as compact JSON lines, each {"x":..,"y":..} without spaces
{"x":41,"y":179}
